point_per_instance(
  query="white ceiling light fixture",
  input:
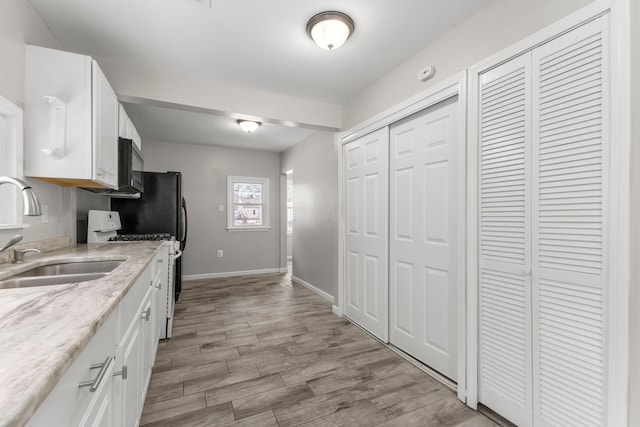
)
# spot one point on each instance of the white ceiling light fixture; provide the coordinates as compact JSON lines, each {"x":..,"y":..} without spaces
{"x":248,"y":126}
{"x":330,"y":29}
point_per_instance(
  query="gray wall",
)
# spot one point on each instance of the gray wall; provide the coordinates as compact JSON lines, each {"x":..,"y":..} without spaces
{"x":634,"y":297}
{"x":205,"y":170}
{"x":315,"y":200}
{"x":496,"y":26}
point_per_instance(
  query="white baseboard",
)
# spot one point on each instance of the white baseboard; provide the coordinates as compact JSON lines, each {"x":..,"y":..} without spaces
{"x":336,"y":310}
{"x":284,"y":270}
{"x":312,"y":288}
{"x":233,"y":273}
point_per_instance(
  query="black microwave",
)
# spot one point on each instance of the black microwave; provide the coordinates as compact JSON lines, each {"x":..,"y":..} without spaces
{"x":130,"y":167}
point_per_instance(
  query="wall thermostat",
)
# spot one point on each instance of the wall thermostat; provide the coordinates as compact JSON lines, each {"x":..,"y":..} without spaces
{"x":426,"y":73}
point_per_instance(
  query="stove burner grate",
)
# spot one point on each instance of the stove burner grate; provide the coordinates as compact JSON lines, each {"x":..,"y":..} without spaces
{"x":140,"y":237}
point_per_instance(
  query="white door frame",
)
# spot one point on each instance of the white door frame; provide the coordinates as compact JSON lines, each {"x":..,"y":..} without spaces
{"x":451,"y":87}
{"x":617,"y":245}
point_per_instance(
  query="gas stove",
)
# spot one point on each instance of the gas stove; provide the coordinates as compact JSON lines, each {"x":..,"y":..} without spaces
{"x":103,"y":227}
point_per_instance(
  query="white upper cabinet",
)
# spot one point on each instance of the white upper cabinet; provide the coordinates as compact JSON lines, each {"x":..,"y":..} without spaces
{"x":71,"y":120}
{"x":105,"y":130}
{"x":126,"y":128}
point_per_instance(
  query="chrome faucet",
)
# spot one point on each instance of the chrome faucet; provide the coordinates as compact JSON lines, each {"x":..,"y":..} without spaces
{"x":29,"y":199}
{"x":15,"y":239}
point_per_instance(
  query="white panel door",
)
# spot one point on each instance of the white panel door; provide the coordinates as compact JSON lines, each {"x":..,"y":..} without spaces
{"x":423,"y":280}
{"x":569,"y":199}
{"x":366,"y":257}
{"x":504,"y":335}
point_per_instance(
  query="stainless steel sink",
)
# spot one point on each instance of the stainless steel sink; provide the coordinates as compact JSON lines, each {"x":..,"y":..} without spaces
{"x":74,"y":267}
{"x":63,"y":279}
{"x":61,"y":273}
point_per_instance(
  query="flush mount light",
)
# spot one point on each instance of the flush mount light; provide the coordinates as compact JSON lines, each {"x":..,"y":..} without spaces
{"x":248,"y":125}
{"x":330,"y":29}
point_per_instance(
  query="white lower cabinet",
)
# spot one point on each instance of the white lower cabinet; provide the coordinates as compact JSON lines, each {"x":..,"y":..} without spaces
{"x":130,"y":358}
{"x":85,"y":390}
{"x":100,"y":412}
{"x":106,"y":385}
{"x":157,"y":305}
{"x":130,"y":354}
{"x":147,"y":339}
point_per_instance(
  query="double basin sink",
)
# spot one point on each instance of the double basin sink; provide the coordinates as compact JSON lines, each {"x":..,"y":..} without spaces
{"x":61,"y":273}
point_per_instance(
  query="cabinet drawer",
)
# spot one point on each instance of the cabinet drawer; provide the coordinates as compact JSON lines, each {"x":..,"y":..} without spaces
{"x":131,"y":302}
{"x":67,"y":404}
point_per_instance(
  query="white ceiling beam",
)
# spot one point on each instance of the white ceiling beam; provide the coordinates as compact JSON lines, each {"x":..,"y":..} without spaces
{"x":144,"y":86}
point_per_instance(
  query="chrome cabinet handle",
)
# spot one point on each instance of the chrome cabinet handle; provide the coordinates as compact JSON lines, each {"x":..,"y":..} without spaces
{"x":146,"y":315}
{"x":123,"y":372}
{"x":159,"y":285}
{"x":104,"y":367}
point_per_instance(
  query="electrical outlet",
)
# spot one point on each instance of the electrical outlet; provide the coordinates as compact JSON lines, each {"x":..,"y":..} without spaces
{"x":220,"y":253}
{"x":44,"y":218}
{"x":220,"y":208}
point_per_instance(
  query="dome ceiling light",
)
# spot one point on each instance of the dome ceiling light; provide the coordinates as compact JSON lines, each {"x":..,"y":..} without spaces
{"x":248,"y":126}
{"x":330,"y":29}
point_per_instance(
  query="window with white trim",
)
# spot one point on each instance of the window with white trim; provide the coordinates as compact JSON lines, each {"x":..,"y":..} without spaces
{"x":247,"y":203}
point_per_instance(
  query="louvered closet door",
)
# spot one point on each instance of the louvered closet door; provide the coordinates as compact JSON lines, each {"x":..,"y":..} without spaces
{"x":505,"y":365}
{"x":423,"y":280}
{"x":366,"y":257}
{"x":569,"y":152}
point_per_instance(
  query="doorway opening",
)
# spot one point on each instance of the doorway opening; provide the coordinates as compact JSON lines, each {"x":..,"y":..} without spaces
{"x":290,"y":220}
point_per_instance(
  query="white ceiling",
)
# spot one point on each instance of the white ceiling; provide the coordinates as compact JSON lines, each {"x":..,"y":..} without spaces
{"x":257,"y":44}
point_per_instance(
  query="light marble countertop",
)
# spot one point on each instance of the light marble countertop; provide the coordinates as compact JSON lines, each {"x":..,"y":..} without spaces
{"x":44,"y":329}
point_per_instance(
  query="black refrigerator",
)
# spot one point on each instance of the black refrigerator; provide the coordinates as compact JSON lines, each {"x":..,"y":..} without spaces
{"x":160,"y":209}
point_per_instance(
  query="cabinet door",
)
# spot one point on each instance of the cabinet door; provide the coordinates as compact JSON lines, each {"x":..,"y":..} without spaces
{"x":123,"y":122}
{"x":68,"y":404}
{"x":504,"y":347}
{"x":129,"y":353}
{"x":105,"y":130}
{"x":147,"y":337}
{"x":101,"y":411}
{"x":569,"y":202}
{"x":136,"y":137}
{"x":66,"y":76}
{"x":366,"y":255}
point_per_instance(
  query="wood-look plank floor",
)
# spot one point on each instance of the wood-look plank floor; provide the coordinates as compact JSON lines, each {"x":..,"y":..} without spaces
{"x":259,"y":351}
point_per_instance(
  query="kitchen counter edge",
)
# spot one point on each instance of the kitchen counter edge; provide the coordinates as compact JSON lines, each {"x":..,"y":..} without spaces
{"x":37,"y":343}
